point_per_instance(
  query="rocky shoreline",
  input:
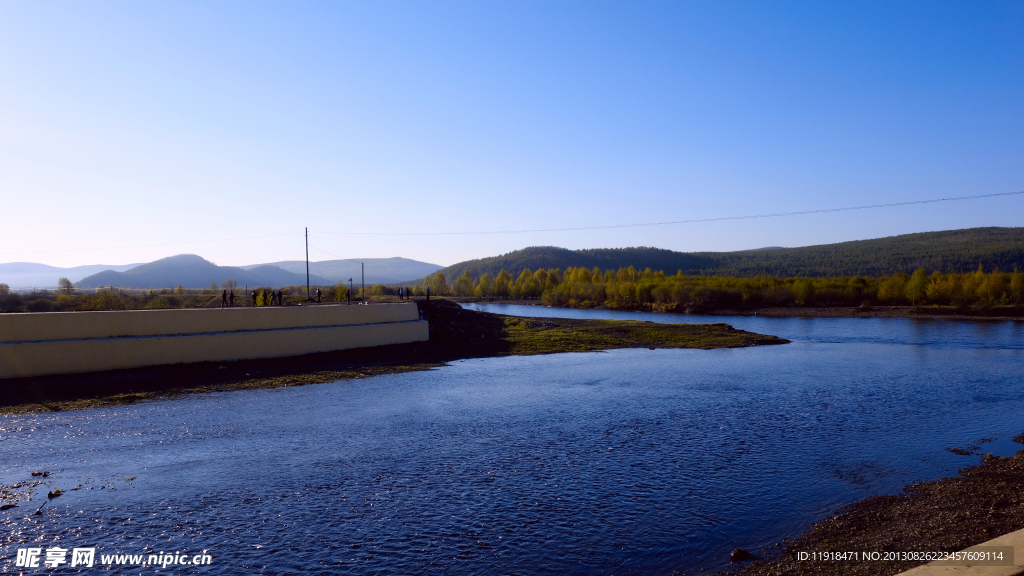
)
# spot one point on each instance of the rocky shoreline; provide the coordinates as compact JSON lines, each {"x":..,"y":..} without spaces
{"x":978,"y":504}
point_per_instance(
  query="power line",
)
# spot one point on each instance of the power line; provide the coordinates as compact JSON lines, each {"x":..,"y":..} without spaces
{"x":536,"y":230}
{"x":150,"y":245}
{"x":324,"y":247}
{"x":325,"y":252}
{"x":695,"y":221}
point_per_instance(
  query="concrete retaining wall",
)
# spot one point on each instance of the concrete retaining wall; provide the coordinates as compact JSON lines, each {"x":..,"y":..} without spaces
{"x":70,"y":342}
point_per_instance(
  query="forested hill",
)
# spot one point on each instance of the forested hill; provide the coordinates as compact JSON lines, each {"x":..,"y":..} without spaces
{"x":949,"y":251}
{"x":192,"y":271}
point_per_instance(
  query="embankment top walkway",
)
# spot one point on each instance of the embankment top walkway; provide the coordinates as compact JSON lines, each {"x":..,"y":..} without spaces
{"x":39,"y":344}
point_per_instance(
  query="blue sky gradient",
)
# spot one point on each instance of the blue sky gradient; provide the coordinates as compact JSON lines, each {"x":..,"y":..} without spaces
{"x":126,"y":124}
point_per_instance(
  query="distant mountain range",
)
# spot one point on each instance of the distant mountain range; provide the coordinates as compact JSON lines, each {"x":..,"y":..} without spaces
{"x":195,"y":272}
{"x":378,"y":270}
{"x":32,"y":275}
{"x":949,"y":251}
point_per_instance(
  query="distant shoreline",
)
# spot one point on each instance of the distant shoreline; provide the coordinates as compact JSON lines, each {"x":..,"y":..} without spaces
{"x":946,"y":312}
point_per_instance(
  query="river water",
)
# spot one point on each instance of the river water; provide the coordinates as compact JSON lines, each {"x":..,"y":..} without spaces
{"x":621,"y":462}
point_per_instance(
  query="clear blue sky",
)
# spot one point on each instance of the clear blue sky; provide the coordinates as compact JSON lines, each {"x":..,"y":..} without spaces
{"x":128,"y":123}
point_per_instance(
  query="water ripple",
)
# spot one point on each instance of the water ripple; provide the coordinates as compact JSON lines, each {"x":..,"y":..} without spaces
{"x":631,"y":461}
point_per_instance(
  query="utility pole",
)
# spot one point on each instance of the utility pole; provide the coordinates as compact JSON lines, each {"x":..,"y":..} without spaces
{"x":350,"y":291}
{"x":362,"y":270}
{"x":307,"y":264}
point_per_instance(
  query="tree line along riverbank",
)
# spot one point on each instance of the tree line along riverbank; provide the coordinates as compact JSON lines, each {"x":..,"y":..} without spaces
{"x":455,"y":334}
{"x":978,"y":293}
{"x":633,"y":289}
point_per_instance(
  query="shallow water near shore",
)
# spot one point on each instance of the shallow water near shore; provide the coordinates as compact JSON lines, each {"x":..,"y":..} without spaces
{"x":624,"y":462}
